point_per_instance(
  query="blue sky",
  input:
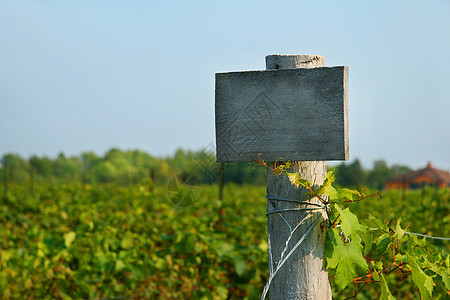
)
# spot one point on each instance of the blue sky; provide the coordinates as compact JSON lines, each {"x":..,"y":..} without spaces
{"x":91,"y":75}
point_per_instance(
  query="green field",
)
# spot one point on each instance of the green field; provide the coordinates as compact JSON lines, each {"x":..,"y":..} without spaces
{"x":167,"y":242}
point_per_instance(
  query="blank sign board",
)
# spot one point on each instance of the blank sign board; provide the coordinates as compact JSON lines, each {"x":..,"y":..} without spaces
{"x":286,"y":115}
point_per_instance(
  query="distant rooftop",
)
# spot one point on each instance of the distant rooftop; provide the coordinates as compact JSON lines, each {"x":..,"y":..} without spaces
{"x":428,"y":175}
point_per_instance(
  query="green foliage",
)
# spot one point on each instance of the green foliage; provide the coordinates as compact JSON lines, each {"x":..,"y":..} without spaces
{"x":421,"y":280}
{"x":353,"y":175}
{"x":354,"y":245}
{"x":127,"y":242}
{"x":106,"y":241}
{"x":124,"y":168}
{"x":345,"y":258}
{"x":379,"y":175}
{"x":131,"y":167}
{"x":14,"y":168}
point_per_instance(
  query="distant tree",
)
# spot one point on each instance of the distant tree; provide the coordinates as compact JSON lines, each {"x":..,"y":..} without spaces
{"x":88,"y":163}
{"x":379,"y":174}
{"x":4,"y":175}
{"x":105,"y":172}
{"x":133,"y":166}
{"x":42,"y":165}
{"x":244,"y":173}
{"x":89,"y":160}
{"x":122,"y":167}
{"x":397,"y":170}
{"x":17,"y":168}
{"x":142,"y":163}
{"x":67,"y":169}
{"x":207,"y":166}
{"x":140,"y":159}
{"x":350,"y":175}
{"x":183,"y":162}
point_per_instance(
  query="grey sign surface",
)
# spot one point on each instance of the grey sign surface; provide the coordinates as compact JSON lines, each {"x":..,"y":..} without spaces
{"x":286,"y":115}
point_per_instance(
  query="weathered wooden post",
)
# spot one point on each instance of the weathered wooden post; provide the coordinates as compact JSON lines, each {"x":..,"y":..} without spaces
{"x":295,"y":111}
{"x":304,"y":277}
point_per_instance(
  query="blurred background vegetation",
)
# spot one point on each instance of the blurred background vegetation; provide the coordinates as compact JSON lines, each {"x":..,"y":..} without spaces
{"x":135,"y":166}
{"x":121,"y":226}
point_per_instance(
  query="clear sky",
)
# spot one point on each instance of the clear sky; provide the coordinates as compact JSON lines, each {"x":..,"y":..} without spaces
{"x":91,"y":75}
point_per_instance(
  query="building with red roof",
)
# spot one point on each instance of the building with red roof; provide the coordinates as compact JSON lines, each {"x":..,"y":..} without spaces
{"x":429,"y":176}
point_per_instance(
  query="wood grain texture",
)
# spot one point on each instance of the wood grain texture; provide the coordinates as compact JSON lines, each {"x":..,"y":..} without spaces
{"x":290,"y":114}
{"x":275,"y":62}
{"x":304,"y":275}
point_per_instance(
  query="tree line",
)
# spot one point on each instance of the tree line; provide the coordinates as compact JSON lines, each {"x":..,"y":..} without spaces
{"x":193,"y":167}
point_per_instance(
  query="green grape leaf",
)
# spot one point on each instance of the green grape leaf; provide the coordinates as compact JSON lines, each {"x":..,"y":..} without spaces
{"x":385,"y":292}
{"x":377,"y":223}
{"x":400,"y":258}
{"x":399,"y":232}
{"x":69,"y":238}
{"x":442,"y":271}
{"x":239,"y":264}
{"x":221,"y":292}
{"x":368,"y":241}
{"x":64,"y":296}
{"x":293,"y":178}
{"x":126,"y":242}
{"x":378,"y":265}
{"x":420,"y":279}
{"x":378,"y":227}
{"x":303,"y":182}
{"x":383,"y":242}
{"x":446,"y":279}
{"x":349,"y":222}
{"x":345,"y":258}
{"x":326,"y":188}
{"x":278,"y":170}
{"x":119,"y":265}
{"x":225,"y":249}
{"x":345,"y":194}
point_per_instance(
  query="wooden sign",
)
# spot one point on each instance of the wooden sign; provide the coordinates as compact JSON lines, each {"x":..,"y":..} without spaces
{"x":286,"y":115}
